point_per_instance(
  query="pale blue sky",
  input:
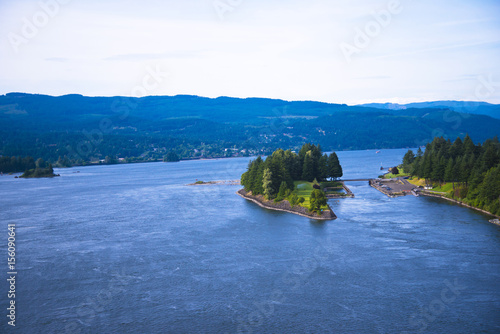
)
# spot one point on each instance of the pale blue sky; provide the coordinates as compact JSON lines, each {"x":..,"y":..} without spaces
{"x":294,"y":50}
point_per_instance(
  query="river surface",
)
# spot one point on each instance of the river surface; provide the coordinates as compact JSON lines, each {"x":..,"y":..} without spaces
{"x":132,"y":249}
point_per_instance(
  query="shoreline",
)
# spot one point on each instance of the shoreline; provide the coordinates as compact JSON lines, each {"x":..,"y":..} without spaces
{"x":270,"y":205}
{"x":429,"y":194}
{"x":425,"y":193}
{"x":209,"y":183}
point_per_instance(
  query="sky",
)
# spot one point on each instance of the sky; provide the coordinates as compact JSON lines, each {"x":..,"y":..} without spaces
{"x":339,"y":51}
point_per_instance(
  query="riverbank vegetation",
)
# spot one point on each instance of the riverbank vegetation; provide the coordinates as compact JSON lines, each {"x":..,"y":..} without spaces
{"x":460,"y":170}
{"x":285,"y":175}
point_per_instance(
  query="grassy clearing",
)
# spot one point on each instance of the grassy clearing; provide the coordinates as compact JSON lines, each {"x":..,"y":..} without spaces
{"x":416,"y":181}
{"x":446,"y":187}
{"x":304,"y":189}
{"x":331,"y":184}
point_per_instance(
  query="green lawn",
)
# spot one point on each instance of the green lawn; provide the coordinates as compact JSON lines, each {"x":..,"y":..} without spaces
{"x":331,"y":184}
{"x":416,"y":181}
{"x":304,"y":189}
{"x":444,"y":188}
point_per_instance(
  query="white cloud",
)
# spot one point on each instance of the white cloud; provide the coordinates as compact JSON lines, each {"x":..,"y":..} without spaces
{"x":275,"y":49}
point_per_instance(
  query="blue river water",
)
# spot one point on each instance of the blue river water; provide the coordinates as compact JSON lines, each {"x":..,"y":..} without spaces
{"x":132,"y":249}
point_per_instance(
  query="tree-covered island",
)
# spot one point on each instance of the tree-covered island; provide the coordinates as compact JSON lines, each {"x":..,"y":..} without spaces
{"x":291,"y":182}
{"x":42,"y":169}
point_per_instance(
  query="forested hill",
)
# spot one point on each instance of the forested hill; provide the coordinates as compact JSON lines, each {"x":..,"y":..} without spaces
{"x":469,"y":107}
{"x":92,"y":128}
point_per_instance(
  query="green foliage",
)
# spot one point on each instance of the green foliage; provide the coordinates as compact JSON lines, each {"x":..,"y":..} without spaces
{"x":394,"y":170}
{"x":331,"y":184}
{"x":110,"y":160}
{"x":282,"y":193}
{"x":334,"y":167}
{"x":16,"y":164}
{"x":267,"y":183}
{"x":408,"y":159}
{"x":283,"y":168}
{"x":308,"y":169}
{"x":293,"y":199}
{"x":468,"y":172}
{"x":39,"y":172}
{"x":171,"y":157}
{"x":317,"y":201}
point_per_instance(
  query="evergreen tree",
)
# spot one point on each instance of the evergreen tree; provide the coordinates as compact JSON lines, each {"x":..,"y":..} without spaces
{"x":334,"y":168}
{"x":293,"y":199}
{"x":308,"y":167}
{"x":469,"y":146}
{"x":317,"y":200}
{"x":490,"y":157}
{"x":323,"y":167}
{"x":267,"y":183}
{"x":282,"y":192}
{"x":420,"y":153}
{"x":408,"y":159}
{"x":448,"y":172}
{"x":457,"y":148}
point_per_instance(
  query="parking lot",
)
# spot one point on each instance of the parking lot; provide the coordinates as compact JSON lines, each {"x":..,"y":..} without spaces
{"x":393,"y":187}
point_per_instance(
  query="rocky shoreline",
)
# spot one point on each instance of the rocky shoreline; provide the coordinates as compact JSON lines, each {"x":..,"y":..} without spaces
{"x":202,"y":183}
{"x":426,"y":193}
{"x":286,"y":207}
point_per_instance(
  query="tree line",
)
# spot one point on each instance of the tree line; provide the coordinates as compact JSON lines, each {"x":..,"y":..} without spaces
{"x":19,"y":164}
{"x":16,"y":164}
{"x":473,"y":170}
{"x":275,"y":176}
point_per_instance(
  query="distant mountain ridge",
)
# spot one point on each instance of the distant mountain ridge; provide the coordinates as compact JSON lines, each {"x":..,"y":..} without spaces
{"x":92,"y":128}
{"x":470,"y":107}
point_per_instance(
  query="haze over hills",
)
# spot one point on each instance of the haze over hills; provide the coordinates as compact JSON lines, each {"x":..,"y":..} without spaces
{"x":469,"y":107}
{"x":90,"y":128}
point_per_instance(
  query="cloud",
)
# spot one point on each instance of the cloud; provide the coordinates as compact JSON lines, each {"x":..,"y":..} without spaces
{"x":439,"y":48}
{"x":151,"y":56}
{"x":374,"y":77}
{"x":57,"y":59}
{"x":462,"y":22}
